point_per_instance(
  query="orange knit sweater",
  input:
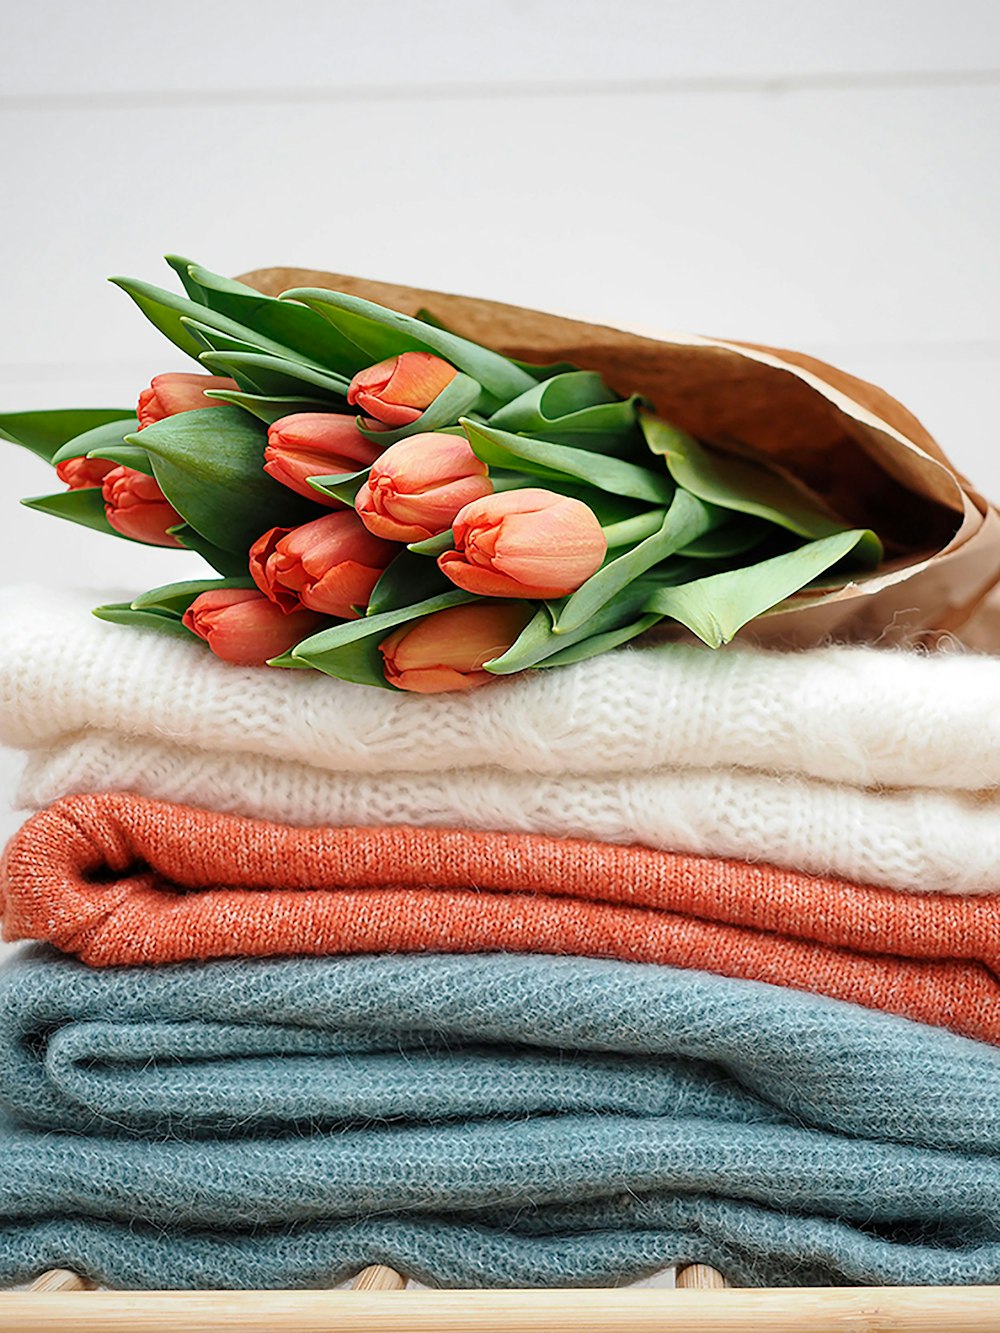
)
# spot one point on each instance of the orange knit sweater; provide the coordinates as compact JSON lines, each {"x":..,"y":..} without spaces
{"x":119,"y":879}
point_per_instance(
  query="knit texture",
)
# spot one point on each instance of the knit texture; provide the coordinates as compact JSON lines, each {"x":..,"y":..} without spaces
{"x":781,"y":1136}
{"x":118,"y":879}
{"x":934,"y":841}
{"x":855,"y":715}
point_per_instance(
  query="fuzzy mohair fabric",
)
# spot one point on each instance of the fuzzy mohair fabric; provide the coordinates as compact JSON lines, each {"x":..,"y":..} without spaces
{"x":878,"y":765}
{"x":493,"y":1120}
{"x":117,"y":879}
{"x":862,"y":716}
{"x":930,"y":841}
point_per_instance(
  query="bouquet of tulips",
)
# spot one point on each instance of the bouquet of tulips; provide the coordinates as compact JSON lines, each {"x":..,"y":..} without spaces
{"x":389,"y":503}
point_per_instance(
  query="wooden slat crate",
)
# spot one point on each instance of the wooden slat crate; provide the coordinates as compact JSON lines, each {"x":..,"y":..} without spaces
{"x":701,"y":1302}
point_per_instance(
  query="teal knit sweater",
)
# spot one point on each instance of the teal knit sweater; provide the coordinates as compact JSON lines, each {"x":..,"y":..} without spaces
{"x":486,"y":1120}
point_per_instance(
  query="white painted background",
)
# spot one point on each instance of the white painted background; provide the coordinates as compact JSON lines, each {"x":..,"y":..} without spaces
{"x":822,"y":176}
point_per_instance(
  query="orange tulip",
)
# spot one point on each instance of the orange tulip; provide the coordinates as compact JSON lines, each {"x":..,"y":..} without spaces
{"x":446,"y":651}
{"x":179,"y":391}
{"x":315,"y":444}
{"x":527,"y":543}
{"x":137,"y":508}
{"x":417,"y":486}
{"x":329,"y":565}
{"x":243,"y":627}
{"x":397,"y":390}
{"x":81,"y":474}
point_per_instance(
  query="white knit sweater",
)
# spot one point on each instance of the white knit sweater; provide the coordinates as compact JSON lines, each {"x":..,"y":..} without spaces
{"x":780,"y":757}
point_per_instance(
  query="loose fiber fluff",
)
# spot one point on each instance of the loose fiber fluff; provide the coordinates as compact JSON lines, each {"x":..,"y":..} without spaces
{"x":778,"y":1135}
{"x":855,"y":715}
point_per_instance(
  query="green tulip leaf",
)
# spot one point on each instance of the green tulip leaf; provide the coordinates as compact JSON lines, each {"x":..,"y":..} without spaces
{"x":539,"y":641}
{"x":459,"y":397}
{"x":715,"y":608}
{"x":230,"y":564}
{"x":99,"y":441}
{"x":547,"y":461}
{"x":123,"y":613}
{"x":408,"y":578}
{"x":560,"y":396}
{"x":209,"y":464}
{"x":600,"y":643}
{"x":182,"y":267}
{"x":125,"y":455}
{"x":167,"y":311}
{"x":687,"y":519}
{"x":350,"y":651}
{"x":434,"y":546}
{"x":382,"y":333}
{"x":173,"y":599}
{"x":743,"y":484}
{"x":213,"y":340}
{"x":535,"y":642}
{"x":84,"y":506}
{"x":735,"y":537}
{"x":611,"y":510}
{"x":304,"y":332}
{"x":536,"y":372}
{"x":164,"y":310}
{"x":575,"y":409}
{"x":45,"y":433}
{"x":269,"y":408}
{"x":260,"y":372}
{"x":289,"y":663}
{"x":343,"y":486}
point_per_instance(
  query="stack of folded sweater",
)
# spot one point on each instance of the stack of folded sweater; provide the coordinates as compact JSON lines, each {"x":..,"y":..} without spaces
{"x":670,"y":956}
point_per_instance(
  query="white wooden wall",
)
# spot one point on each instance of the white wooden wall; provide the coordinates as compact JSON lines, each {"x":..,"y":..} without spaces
{"x":818,"y":175}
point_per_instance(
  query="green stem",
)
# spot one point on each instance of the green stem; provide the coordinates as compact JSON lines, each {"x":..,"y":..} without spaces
{"x":631,"y":530}
{"x":687,"y":519}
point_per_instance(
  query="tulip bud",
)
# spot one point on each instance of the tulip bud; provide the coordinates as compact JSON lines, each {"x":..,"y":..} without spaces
{"x":243,"y":627}
{"x":329,"y":565}
{"x":446,"y":651}
{"x":526,"y":543}
{"x":398,"y":389}
{"x":83,"y":473}
{"x":179,"y":391}
{"x":315,"y":444}
{"x":137,"y":508}
{"x":417,"y":486}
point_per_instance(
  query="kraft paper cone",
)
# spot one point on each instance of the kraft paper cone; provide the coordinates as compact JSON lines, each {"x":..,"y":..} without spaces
{"x":847,"y":441}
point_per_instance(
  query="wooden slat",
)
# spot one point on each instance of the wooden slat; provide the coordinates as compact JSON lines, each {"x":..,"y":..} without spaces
{"x":699,"y":1277}
{"x":60,"y":1279}
{"x":627,"y":1310}
{"x":377,"y":1277}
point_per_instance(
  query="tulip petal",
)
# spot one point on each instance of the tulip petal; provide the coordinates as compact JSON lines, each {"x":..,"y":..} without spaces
{"x":393,"y":414}
{"x":457,"y":399}
{"x":446,"y":651}
{"x":350,"y":651}
{"x":242,"y":627}
{"x":489,"y":583}
{"x":532,"y":540}
{"x":437,"y":680}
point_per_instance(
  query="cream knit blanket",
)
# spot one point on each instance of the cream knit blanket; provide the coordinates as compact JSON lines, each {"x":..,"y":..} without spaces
{"x":880,"y":765}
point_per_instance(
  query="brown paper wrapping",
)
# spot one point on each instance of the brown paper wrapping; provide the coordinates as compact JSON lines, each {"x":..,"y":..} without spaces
{"x":872,"y":462}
